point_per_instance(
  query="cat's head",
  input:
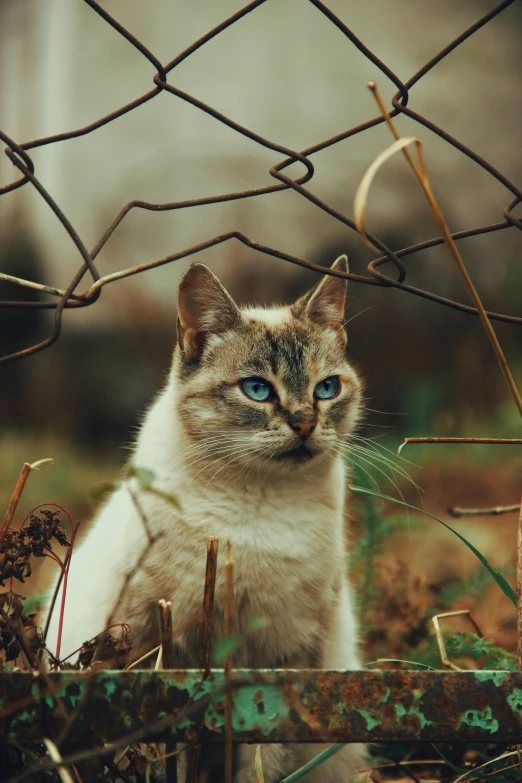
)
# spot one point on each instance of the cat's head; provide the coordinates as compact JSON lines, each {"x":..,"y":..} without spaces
{"x":268,"y":389}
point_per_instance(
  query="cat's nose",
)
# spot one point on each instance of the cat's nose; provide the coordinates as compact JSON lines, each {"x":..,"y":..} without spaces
{"x":303,"y":428}
{"x":303,"y":425}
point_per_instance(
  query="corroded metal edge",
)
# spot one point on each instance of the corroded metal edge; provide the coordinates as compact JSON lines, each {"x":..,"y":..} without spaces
{"x":269,"y":705}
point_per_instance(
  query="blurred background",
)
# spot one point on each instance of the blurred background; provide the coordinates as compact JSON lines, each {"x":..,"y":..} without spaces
{"x":285,"y":72}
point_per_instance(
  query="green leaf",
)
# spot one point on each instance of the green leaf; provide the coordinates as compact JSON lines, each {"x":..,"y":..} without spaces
{"x":144,"y":477}
{"x":259,"y":766}
{"x":321,"y":757}
{"x":170,"y":499}
{"x":467,"y":773}
{"x":35,"y":602}
{"x":258,"y":623}
{"x":469,"y":645}
{"x":225,"y":647}
{"x":494,"y":573}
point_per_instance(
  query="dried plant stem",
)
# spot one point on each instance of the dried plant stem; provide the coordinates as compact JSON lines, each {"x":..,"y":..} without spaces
{"x":440,"y":639}
{"x":65,"y":571}
{"x":135,"y":664}
{"x":129,"y":576}
{"x":208,"y":602}
{"x":15,"y":498}
{"x":229,"y":627}
{"x":54,"y":754}
{"x":167,"y":639}
{"x":490,"y":441}
{"x":519,"y":590}
{"x":57,"y":586}
{"x":456,"y":512}
{"x":206,"y":635}
{"x":422,"y":177}
{"x":167,"y":655}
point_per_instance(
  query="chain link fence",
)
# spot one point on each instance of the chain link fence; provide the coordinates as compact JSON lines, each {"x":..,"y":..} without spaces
{"x":84,"y":290}
{"x":73,"y":297}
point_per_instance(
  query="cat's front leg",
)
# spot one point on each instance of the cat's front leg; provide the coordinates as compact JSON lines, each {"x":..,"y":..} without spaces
{"x":339,"y":652}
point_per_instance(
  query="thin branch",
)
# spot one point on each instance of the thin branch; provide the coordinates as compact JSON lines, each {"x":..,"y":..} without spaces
{"x":455,"y":511}
{"x":141,"y":513}
{"x":135,"y":664}
{"x":420,"y":172}
{"x":206,"y":636}
{"x":519,"y":590}
{"x":151,"y":540}
{"x":53,"y":752}
{"x":167,"y":639}
{"x":15,"y":498}
{"x":489,"y":441}
{"x":440,"y":639}
{"x":17,"y":492}
{"x":167,"y":662}
{"x":208,"y":602}
{"x":57,"y":587}
{"x":229,"y":627}
{"x":65,"y":572}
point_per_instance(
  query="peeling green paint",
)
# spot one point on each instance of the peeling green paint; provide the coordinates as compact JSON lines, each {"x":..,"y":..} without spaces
{"x":401,"y":712}
{"x":386,"y":696}
{"x":515,"y":700}
{"x":268,"y":705}
{"x":249,"y":713}
{"x":496,"y":677}
{"x":481,"y":719}
{"x":110,"y":686}
{"x":371,"y":723}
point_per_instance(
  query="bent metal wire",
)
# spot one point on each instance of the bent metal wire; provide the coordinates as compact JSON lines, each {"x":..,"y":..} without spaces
{"x":70,"y":298}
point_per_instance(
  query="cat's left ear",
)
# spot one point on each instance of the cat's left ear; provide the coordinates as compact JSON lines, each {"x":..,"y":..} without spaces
{"x":325,"y":303}
{"x":204,"y":308}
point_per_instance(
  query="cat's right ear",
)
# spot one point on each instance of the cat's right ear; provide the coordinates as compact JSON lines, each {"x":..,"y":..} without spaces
{"x":204,"y":308}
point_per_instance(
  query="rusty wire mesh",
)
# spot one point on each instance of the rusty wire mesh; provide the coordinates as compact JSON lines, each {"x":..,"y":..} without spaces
{"x":70,"y":298}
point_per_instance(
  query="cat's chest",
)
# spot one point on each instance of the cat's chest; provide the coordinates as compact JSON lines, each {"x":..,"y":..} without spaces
{"x":286,"y":522}
{"x":282,"y":547}
{"x":288,"y":555}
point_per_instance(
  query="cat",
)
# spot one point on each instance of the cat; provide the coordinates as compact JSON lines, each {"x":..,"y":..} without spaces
{"x":248,"y":433}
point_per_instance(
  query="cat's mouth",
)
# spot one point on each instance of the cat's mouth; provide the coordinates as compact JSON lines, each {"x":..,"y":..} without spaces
{"x":299,"y":454}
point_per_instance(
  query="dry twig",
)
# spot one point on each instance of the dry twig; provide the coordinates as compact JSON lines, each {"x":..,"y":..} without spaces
{"x":440,"y":639}
{"x":167,"y":654}
{"x":229,"y":627}
{"x":456,"y":512}
{"x":519,"y":590}
{"x":206,"y":635}
{"x":488,"y":441}
{"x":420,"y":172}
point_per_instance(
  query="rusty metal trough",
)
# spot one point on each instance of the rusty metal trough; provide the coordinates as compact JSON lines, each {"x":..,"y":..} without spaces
{"x":269,"y":706}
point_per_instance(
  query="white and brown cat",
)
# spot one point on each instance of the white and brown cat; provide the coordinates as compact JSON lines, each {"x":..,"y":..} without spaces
{"x":248,"y":434}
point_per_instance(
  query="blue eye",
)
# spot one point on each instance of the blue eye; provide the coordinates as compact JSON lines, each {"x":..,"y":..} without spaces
{"x":257,"y":389}
{"x":328,"y":388}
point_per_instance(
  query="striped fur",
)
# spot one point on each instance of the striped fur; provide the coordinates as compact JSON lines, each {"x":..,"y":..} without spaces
{"x":243,"y":471}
